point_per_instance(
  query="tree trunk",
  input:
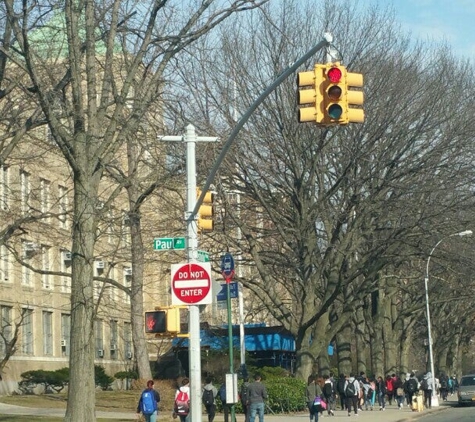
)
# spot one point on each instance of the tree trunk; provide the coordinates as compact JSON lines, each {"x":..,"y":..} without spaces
{"x":343,"y":347}
{"x":81,"y":394}
{"x":390,"y":337}
{"x":138,"y":259}
{"x":377,"y":347}
{"x":361,"y":349}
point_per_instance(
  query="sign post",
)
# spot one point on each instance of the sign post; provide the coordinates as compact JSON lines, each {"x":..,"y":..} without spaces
{"x":227,"y":269}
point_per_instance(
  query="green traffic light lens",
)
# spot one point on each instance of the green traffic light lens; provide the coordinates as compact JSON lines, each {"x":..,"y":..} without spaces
{"x":334,"y":92}
{"x":335,"y":111}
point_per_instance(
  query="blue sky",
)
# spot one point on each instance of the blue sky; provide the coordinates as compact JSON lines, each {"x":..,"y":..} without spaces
{"x":452,"y":21}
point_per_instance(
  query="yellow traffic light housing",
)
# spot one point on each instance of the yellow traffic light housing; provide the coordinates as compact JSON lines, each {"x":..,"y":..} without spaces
{"x":311,"y":95}
{"x":206,"y":212}
{"x":355,"y":98}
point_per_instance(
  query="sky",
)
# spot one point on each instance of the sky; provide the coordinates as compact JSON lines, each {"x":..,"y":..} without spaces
{"x":452,"y":21}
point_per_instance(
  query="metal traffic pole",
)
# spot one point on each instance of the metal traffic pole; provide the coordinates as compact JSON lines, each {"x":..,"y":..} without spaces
{"x":194,"y":347}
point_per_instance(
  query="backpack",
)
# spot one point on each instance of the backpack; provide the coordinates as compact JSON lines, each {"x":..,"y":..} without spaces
{"x":411,"y":385}
{"x":208,"y":397}
{"x":245,"y":393}
{"x":389,"y":385}
{"x":350,"y":389}
{"x":222,"y":393}
{"x":327,"y":389}
{"x":182,"y":403}
{"x":424,"y":384}
{"x":341,"y":385}
{"x":443,"y":383}
{"x":149,"y":404}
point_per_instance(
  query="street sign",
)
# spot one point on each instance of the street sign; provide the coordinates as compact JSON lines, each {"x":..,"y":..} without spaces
{"x":169,"y":243}
{"x":191,"y":284}
{"x":227,"y":267}
{"x":223,"y":293}
{"x":203,"y":256}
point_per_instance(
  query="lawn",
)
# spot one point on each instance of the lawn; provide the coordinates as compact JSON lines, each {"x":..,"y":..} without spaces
{"x":18,"y":418}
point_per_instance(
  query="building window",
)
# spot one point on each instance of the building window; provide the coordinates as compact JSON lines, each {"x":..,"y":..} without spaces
{"x":45,"y":266}
{"x":65,"y":333}
{"x":26,"y":273}
{"x":5,"y":260}
{"x":24,"y":190}
{"x":127,"y":282}
{"x":47,"y":333}
{"x":63,"y":207}
{"x":114,"y":340}
{"x":5,"y":326}
{"x":45,"y":200}
{"x":27,"y":332}
{"x":65,"y":264}
{"x":99,"y":338}
{"x":128,"y":347}
{"x":4,"y":187}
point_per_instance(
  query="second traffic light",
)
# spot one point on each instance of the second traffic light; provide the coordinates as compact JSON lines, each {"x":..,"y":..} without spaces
{"x":167,"y":321}
{"x":206,"y":212}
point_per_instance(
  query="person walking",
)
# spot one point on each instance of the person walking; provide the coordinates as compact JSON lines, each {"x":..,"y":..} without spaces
{"x":411,"y":386}
{"x":182,"y":401}
{"x":209,"y":396}
{"x":244,"y":396}
{"x":148,"y":403}
{"x":312,"y":392}
{"x":328,"y":391}
{"x":427,"y":384}
{"x":340,"y":389}
{"x":257,"y":395}
{"x":381,"y":392}
{"x":352,"y":393}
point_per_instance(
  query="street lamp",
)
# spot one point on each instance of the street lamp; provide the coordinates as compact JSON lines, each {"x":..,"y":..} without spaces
{"x":435,"y":400}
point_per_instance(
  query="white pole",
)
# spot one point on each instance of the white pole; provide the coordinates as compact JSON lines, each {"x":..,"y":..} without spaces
{"x":435,"y":398}
{"x":194,"y":349}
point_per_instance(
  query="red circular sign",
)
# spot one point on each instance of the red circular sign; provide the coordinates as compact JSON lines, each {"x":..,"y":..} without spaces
{"x":191,"y":283}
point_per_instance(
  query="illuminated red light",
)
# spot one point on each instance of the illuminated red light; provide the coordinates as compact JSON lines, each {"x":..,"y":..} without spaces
{"x":334,"y":74}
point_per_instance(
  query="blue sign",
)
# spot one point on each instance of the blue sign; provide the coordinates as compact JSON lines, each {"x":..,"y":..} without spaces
{"x":227,"y":265}
{"x":223,"y":293}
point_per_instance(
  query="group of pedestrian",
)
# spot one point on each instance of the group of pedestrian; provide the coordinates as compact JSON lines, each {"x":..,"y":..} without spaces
{"x":252,"y":396}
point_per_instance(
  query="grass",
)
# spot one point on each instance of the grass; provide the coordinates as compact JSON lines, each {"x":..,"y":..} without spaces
{"x":19,"y":418}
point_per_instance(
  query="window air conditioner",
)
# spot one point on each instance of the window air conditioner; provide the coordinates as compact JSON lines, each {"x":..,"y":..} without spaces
{"x":63,"y":343}
{"x":129,"y":355}
{"x":100,"y":265}
{"x":100,"y":353}
{"x":31,"y":246}
{"x":113,"y":346}
{"x":128,"y":271}
{"x":67,"y":256}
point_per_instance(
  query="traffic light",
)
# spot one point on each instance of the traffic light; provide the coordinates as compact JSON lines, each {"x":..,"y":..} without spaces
{"x":311,"y":94}
{"x":167,"y":321}
{"x":155,"y":322}
{"x":206,"y":212}
{"x":340,"y":100}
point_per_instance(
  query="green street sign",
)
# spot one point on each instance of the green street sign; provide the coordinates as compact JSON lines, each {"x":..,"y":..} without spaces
{"x":169,"y":243}
{"x":203,"y":256}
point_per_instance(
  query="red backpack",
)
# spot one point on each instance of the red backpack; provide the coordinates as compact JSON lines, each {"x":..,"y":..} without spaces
{"x":182,"y":403}
{"x":389,"y":385}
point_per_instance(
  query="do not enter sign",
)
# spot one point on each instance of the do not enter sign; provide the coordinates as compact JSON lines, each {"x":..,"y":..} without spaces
{"x":191,"y":284}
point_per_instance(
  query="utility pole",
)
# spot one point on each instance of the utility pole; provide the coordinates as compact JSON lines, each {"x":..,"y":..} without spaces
{"x":194,"y":347}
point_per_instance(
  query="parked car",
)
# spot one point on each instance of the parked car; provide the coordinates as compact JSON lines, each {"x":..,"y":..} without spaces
{"x":466,"y":391}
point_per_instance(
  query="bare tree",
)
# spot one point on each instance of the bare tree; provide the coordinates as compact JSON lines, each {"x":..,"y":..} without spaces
{"x":326,"y":211}
{"x":107,"y":74}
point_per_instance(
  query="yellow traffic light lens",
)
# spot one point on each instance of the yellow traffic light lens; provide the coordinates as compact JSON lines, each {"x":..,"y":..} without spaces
{"x":335,"y":111}
{"x":334,"y":93}
{"x":334,"y":74}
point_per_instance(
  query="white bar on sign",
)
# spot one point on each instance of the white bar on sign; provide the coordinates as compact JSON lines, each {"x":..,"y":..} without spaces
{"x":182,"y":284}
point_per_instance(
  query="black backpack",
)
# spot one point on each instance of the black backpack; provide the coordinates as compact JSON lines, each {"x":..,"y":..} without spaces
{"x":327,"y":389}
{"x":341,"y":385}
{"x":222,"y":393}
{"x":208,"y":397}
{"x":412,"y":385}
{"x":350,"y":389}
{"x":245,"y":393}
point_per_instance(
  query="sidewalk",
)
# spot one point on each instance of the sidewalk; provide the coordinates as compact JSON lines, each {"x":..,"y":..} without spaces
{"x":391,"y":414}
